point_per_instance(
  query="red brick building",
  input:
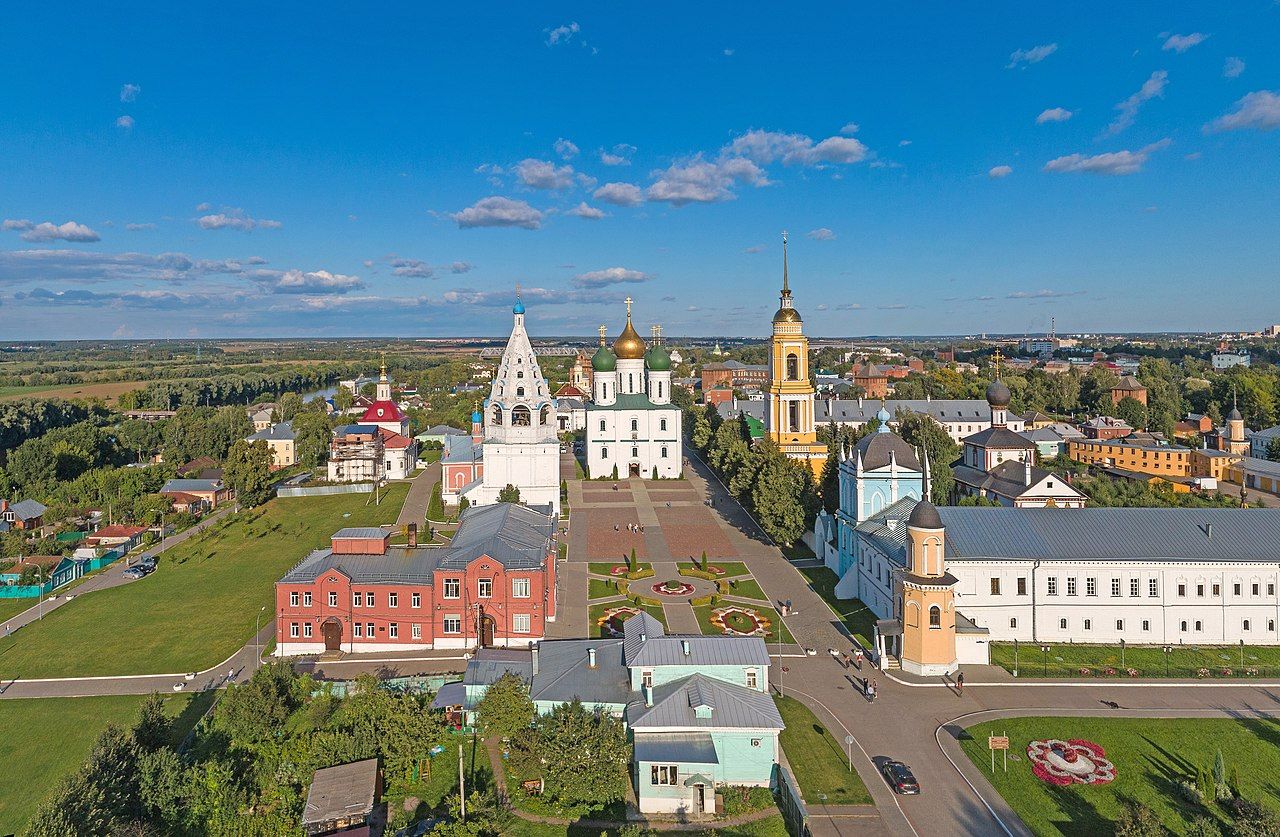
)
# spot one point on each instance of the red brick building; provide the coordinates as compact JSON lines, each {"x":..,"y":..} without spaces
{"x":873,"y":379}
{"x":493,"y":585}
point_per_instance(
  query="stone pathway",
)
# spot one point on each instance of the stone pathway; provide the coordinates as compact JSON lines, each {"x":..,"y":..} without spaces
{"x":680,"y":618}
{"x":416,"y":501}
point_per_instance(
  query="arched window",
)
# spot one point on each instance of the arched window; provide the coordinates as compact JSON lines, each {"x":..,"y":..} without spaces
{"x":1199,"y":626}
{"x":519,"y":392}
{"x":520,"y":374}
{"x":935,"y":617}
{"x":662,"y":424}
{"x":545,"y":416}
{"x":601,"y":425}
{"x":520,"y":416}
{"x":635,"y":425}
{"x":793,"y":367}
{"x":1184,"y":626}
{"x":604,"y":453}
{"x":495,"y":417}
{"x":631,"y":382}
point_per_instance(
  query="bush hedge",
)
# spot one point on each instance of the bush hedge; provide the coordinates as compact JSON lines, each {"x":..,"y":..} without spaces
{"x":693,"y":572}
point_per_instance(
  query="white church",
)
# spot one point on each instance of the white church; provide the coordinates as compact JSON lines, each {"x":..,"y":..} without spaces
{"x":633,"y":429}
{"x":514,"y":438}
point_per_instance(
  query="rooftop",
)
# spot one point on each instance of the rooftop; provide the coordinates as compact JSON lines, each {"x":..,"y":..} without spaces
{"x":343,"y":792}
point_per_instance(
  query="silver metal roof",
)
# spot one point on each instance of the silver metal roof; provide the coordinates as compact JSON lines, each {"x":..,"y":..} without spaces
{"x":347,"y":790}
{"x":877,"y":447}
{"x":564,"y":672}
{"x":703,"y":651}
{"x":732,"y":706}
{"x":684,"y":748}
{"x":516,"y":536}
{"x":360,"y":532}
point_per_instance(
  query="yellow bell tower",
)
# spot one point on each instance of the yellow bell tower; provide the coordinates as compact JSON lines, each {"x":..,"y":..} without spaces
{"x":926,"y":598}
{"x":791,"y":420}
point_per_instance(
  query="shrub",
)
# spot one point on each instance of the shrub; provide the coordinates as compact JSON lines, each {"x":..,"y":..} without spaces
{"x":744,"y":800}
{"x":702,"y":601}
{"x":645,"y":601}
{"x":635,"y":575}
{"x":1190,"y":791}
{"x":690,"y":572}
{"x":722,"y":586}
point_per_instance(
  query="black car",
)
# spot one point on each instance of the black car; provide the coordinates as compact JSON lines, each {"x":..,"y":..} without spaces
{"x":900,"y":777}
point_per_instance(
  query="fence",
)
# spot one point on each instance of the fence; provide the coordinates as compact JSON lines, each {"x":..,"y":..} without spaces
{"x":321,"y":490}
{"x":415,"y":685}
{"x":791,"y":803}
{"x":1081,"y":660}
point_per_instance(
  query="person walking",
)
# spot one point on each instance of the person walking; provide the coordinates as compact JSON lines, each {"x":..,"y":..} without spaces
{"x":857,"y":657}
{"x":960,"y":683}
{"x":875,"y":690}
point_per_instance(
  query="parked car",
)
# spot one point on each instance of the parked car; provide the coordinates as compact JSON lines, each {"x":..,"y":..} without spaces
{"x":148,"y":564}
{"x":135,"y":572}
{"x":900,"y":777}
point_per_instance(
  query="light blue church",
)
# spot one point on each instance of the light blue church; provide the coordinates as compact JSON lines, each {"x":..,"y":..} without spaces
{"x":698,"y":707}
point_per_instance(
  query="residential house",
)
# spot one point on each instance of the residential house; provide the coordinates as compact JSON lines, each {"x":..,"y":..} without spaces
{"x":211,"y":491}
{"x":117,"y":534}
{"x":1260,"y":441}
{"x":1105,"y":427}
{"x":202,"y":467}
{"x":698,"y":707}
{"x":342,"y":799}
{"x":959,"y":417}
{"x":1052,"y":441}
{"x":282,"y":441}
{"x":1162,"y":460}
{"x":24,"y":515}
{"x":437,"y":433}
{"x":261,"y":415}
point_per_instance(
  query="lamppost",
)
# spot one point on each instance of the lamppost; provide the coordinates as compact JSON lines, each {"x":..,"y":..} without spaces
{"x":1167,"y":651}
{"x":1242,"y":653}
{"x":1122,"y":665}
{"x":1015,"y":656}
{"x":848,"y":746}
{"x":40,"y":607}
{"x":257,"y":653}
{"x":1045,"y":650}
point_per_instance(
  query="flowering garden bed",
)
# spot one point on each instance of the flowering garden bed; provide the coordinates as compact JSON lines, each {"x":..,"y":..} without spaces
{"x":1074,"y":761}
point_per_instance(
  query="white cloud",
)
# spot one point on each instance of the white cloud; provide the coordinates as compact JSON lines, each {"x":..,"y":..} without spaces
{"x":702,"y":181}
{"x":795,"y":149}
{"x":1042,"y":294}
{"x":46,"y":231}
{"x":502,"y":298}
{"x":461,"y":267}
{"x":1023,"y":57}
{"x":139,"y":227}
{"x":728,"y":52}
{"x":1232,"y":67}
{"x":129,"y":92}
{"x":542,"y":174}
{"x":1151,"y":88}
{"x":822,"y":306}
{"x":821,"y":234}
{"x":619,"y":194}
{"x":903,"y":143}
{"x":584,"y":210}
{"x":498,"y":212}
{"x":125,"y":122}
{"x":755,"y":248}
{"x":412,"y":268}
{"x":1112,"y":163}
{"x":234,"y":219}
{"x":1182,"y":43}
{"x":1053,"y":115}
{"x":1259,"y":109}
{"x":562,"y":34}
{"x":204,"y":207}
{"x":849,"y":306}
{"x":998,"y":172}
{"x":850,"y":128}
{"x":305,"y":282}
{"x":566,"y":149}
{"x":91,"y":267}
{"x":619,"y":156}
{"x":610,"y":276}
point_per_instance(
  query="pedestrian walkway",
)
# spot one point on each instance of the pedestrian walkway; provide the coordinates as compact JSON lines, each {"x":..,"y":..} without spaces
{"x":416,"y":501}
{"x":680,"y":618}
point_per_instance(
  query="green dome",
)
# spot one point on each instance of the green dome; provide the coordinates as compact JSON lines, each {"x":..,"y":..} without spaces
{"x":604,"y":361}
{"x":657,"y":359}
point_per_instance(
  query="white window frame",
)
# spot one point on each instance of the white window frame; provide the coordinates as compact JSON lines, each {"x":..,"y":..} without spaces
{"x":417,"y":631}
{"x":393,"y":600}
{"x":293,"y":630}
{"x":484,"y":588}
{"x":293,"y":599}
{"x":393,"y":630}
{"x":306,"y":630}
{"x":357,"y":630}
{"x":456,"y":621}
{"x":415,"y":600}
{"x":456,"y":585}
{"x":520,"y":588}
{"x":333,"y":598}
{"x":306,"y":598}
{"x":521,"y":623}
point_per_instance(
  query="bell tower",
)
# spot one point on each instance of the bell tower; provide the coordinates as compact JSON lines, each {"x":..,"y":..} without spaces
{"x":791,"y":419}
{"x":926,"y":599}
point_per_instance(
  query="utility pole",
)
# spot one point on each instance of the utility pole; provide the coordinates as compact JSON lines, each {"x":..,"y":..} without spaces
{"x":462,"y":785}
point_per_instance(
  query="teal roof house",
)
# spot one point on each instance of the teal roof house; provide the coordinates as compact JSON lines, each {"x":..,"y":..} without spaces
{"x":698,"y":707}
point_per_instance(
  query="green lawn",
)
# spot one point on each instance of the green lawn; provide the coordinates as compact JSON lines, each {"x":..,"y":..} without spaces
{"x":856,"y":616}
{"x":731,"y":568}
{"x":798,"y":551}
{"x":12,"y":607}
{"x":604,"y":567}
{"x":597,"y":610}
{"x":1151,"y":756}
{"x":1183,"y":660}
{"x":198,"y":608}
{"x":708,"y":629}
{"x":817,"y":758}
{"x":768,"y":827}
{"x":598,"y":588}
{"x":23,"y":392}
{"x":44,"y":739}
{"x":441,"y":778}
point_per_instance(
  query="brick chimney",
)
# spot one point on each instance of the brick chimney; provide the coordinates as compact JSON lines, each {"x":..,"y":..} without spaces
{"x":413,"y":535}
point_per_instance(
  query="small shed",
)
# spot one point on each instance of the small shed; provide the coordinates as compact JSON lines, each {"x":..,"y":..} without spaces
{"x":342,"y":798}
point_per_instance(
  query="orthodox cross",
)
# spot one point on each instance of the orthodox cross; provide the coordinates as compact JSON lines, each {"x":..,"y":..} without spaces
{"x":997,"y":357}
{"x":604,"y":331}
{"x":628,"y":302}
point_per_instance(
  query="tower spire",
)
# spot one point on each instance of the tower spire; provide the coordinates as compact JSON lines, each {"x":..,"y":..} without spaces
{"x":997,"y":358}
{"x":786,"y":288}
{"x":604,"y":333}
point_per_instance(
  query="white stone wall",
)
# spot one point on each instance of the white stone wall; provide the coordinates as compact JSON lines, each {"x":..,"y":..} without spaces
{"x":649,"y":439}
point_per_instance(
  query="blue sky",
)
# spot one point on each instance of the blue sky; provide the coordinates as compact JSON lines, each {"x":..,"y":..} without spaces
{"x":284,"y":170}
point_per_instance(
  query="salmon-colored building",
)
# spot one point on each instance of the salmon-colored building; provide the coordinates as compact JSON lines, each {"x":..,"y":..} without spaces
{"x":493,"y":585}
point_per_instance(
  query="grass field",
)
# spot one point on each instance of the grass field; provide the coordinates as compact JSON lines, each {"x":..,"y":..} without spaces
{"x":856,"y":616}
{"x":747,"y":588}
{"x":1150,"y":755}
{"x":12,"y":607}
{"x":198,"y":608}
{"x":44,"y":739}
{"x":818,"y":759}
{"x":597,"y":610}
{"x":768,"y":827}
{"x":731,"y":568}
{"x":598,"y":588}
{"x":107,"y":391}
{"x":1149,"y":660}
{"x":708,"y":629}
{"x":604,"y":567}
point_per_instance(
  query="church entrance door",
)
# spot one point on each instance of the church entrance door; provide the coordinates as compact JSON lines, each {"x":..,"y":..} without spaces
{"x":634,"y":469}
{"x":332,"y":631}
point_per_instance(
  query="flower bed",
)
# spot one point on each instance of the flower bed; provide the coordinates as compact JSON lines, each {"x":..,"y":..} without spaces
{"x":1074,"y":761}
{"x":740,"y":621}
{"x":611,"y":620}
{"x":673,"y":588}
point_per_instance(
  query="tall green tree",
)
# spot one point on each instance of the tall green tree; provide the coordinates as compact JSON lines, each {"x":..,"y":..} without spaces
{"x":777,"y":498}
{"x":583,"y":754}
{"x":247,"y":470}
{"x":509,"y":494}
{"x":505,"y":709}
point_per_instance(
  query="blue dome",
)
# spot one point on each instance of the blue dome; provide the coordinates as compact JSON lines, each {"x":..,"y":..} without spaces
{"x":476,"y":418}
{"x":883,"y":418}
{"x":518,"y":308}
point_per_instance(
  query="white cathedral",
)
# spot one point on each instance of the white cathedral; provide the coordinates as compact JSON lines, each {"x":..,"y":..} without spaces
{"x":633,"y":429}
{"x":519,"y":446}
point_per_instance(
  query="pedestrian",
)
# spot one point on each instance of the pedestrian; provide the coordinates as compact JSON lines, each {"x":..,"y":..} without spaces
{"x":875,"y":689}
{"x":857,"y":656}
{"x":960,"y":683}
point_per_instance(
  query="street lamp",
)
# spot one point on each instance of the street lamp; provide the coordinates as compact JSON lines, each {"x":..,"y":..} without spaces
{"x":1045,"y":650}
{"x":40,"y":607}
{"x":1122,"y":665}
{"x":848,"y":745}
{"x":1242,"y":653}
{"x":1015,"y":656}
{"x":1167,"y":651}
{"x":257,"y":654}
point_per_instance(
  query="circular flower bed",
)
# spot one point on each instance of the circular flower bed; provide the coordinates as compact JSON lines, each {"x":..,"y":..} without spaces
{"x":714,"y":570}
{"x":740,"y":621}
{"x":1074,"y":761}
{"x":673,"y":588}
{"x":618,"y":569}
{"x":611,"y":620}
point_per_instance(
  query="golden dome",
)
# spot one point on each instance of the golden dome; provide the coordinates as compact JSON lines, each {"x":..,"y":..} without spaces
{"x":787,"y":315}
{"x":629,"y":346}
